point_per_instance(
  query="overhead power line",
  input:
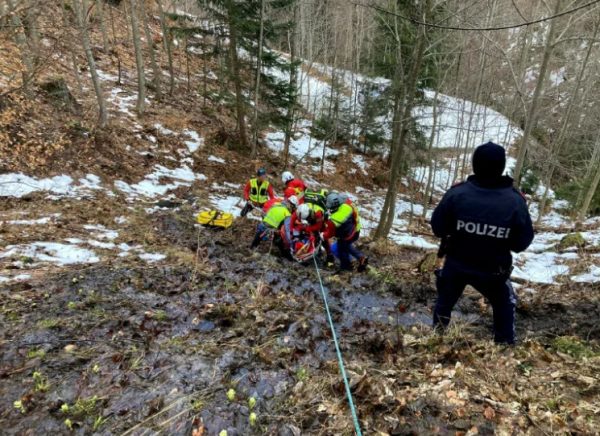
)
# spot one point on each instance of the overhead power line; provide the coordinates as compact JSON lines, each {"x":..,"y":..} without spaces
{"x":478,"y":29}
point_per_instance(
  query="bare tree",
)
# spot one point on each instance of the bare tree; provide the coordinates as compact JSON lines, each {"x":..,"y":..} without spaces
{"x":156,"y":72}
{"x":532,"y":113}
{"x":21,"y":39}
{"x":79,"y":6}
{"x":237,"y":78}
{"x":389,"y":207}
{"x":293,"y":85}
{"x":566,"y":123}
{"x":139,"y":60}
{"x":102,"y":22}
{"x":591,"y":190}
{"x":167,"y":45}
{"x":255,"y":126}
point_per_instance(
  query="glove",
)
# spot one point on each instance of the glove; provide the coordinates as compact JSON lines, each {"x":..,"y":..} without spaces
{"x":247,"y":208}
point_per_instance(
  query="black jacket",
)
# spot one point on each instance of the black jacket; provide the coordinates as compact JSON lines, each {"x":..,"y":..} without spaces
{"x":481,"y":223}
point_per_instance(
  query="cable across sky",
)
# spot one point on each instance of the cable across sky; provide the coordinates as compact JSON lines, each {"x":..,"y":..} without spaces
{"x":479,"y":29}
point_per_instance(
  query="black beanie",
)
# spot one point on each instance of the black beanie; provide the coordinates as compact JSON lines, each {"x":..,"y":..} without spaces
{"x":489,"y":161}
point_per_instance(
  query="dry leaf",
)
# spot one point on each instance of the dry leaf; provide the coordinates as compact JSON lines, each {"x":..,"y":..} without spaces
{"x":489,"y":413}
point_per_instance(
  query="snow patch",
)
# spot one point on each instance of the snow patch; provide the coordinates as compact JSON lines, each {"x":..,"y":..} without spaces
{"x":163,"y":130}
{"x":361,"y":163}
{"x":196,"y":141}
{"x":17,"y":278}
{"x":102,"y":232}
{"x":541,"y":267}
{"x":301,"y":145}
{"x":121,"y":219}
{"x":216,"y":159}
{"x":592,"y":276}
{"x":44,"y":220}
{"x":52,"y":252}
{"x":152,"y":257}
{"x":18,"y":185}
{"x":151,"y":186}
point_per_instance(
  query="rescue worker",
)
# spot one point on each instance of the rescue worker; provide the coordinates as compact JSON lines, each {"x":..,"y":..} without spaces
{"x":344,"y":224}
{"x":480,"y":222}
{"x":293,"y":191}
{"x":316,"y":197}
{"x":309,"y":220}
{"x":270,"y":203}
{"x":290,"y":181}
{"x":257,"y":192}
{"x":273,"y":220}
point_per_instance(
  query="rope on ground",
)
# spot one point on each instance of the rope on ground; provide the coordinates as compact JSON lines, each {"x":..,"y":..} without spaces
{"x":338,"y":352}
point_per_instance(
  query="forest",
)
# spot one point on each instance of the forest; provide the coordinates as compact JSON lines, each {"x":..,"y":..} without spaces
{"x":122,"y":120}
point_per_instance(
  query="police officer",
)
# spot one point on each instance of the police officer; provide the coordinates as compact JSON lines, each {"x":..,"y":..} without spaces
{"x":480,"y":222}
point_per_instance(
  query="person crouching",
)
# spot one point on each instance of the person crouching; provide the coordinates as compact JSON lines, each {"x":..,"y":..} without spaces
{"x":273,"y":220}
{"x":344,"y":224}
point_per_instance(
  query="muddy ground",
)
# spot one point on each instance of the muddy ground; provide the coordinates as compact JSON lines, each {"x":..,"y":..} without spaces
{"x":133,"y":348}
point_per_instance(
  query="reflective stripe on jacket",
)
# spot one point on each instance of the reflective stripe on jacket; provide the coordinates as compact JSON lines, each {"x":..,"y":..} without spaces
{"x":259,"y":194}
{"x":276,"y":215}
{"x":346,"y":221}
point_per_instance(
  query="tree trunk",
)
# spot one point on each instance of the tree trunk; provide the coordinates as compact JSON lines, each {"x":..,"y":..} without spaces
{"x":139,"y":61}
{"x":237,"y":78}
{"x":255,"y":126}
{"x":477,"y":95}
{"x":100,"y":9}
{"x":32,"y":29}
{"x":66,"y":24}
{"x":389,"y":207}
{"x":557,"y":144}
{"x":156,"y":72}
{"x":591,"y":189}
{"x":167,"y":44}
{"x":591,"y":166}
{"x":114,"y":35}
{"x":21,"y":40}
{"x":188,"y":73}
{"x":291,"y":109}
{"x":79,"y":6}
{"x":533,"y":108}
{"x":430,"y":174}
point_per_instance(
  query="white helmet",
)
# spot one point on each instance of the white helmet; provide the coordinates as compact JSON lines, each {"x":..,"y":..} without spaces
{"x":287,"y":177}
{"x":303,"y":213}
{"x":293,"y":201}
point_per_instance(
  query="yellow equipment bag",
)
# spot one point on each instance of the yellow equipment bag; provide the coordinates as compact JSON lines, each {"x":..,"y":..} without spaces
{"x":215,"y":218}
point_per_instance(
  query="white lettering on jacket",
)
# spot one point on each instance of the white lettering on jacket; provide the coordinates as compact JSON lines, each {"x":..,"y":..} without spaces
{"x":483,"y":229}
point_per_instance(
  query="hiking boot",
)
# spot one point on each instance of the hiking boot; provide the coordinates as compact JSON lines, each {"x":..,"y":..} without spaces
{"x":329,"y":261}
{"x":362,"y":264}
{"x":342,"y":271}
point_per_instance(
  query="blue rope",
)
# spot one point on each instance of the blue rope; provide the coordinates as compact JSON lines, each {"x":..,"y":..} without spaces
{"x":339,"y":354}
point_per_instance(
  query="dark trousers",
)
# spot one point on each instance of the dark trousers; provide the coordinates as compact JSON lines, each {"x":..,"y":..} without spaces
{"x":249,"y":206}
{"x":451,"y":282}
{"x":346,"y":249}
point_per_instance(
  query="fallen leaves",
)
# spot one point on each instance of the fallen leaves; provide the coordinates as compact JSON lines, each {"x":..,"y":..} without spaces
{"x":489,"y":413}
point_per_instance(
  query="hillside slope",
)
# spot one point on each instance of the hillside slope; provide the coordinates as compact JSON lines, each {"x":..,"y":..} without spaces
{"x":116,"y":305}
